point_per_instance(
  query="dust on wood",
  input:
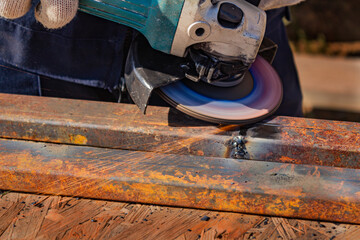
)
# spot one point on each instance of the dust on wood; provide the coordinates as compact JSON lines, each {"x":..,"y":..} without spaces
{"x":29,"y":216}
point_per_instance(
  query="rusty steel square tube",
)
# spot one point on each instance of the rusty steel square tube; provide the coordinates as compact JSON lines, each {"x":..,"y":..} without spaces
{"x":257,"y":187}
{"x":165,"y":130}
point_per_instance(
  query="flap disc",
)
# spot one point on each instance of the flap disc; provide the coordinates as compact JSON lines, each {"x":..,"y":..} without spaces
{"x":256,"y":97}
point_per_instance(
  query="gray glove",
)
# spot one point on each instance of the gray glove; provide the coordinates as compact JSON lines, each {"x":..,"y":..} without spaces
{"x":271,"y":4}
{"x":51,"y":13}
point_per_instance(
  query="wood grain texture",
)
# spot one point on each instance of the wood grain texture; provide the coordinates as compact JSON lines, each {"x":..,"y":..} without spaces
{"x":43,"y":217}
{"x":30,"y":216}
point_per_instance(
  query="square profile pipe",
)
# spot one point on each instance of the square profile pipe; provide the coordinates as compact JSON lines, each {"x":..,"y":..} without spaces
{"x":165,"y":130}
{"x":224,"y":184}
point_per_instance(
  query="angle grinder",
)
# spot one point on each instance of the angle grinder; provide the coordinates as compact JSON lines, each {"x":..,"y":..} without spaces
{"x":201,"y":56}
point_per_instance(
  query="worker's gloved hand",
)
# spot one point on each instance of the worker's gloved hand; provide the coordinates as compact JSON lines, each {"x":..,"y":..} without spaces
{"x":271,"y":4}
{"x":51,"y":13}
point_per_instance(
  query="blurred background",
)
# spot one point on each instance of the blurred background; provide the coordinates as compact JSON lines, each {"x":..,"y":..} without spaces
{"x":325,"y":37}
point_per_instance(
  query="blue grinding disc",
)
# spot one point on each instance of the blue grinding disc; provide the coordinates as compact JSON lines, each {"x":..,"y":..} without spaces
{"x":262,"y":101}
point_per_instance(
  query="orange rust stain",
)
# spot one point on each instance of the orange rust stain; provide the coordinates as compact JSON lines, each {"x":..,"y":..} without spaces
{"x":190,"y":178}
{"x":108,"y":187}
{"x":21,"y":160}
{"x":151,"y":193}
{"x":200,"y":153}
{"x":56,"y":164}
{"x":178,"y":173}
{"x":279,"y":206}
{"x":346,"y":205}
{"x":165,"y":178}
{"x":78,"y":139}
{"x":287,"y":159}
{"x":151,"y":122}
{"x":337,"y":160}
{"x":285,"y":191}
{"x":215,"y":180}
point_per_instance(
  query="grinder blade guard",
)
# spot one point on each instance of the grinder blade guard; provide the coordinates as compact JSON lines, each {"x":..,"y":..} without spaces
{"x":255,"y":97}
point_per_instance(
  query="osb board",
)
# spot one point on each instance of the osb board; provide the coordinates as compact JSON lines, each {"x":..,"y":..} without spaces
{"x":28,"y":216}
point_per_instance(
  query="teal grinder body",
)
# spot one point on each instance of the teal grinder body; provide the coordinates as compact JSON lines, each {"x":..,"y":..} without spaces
{"x":157,"y":20}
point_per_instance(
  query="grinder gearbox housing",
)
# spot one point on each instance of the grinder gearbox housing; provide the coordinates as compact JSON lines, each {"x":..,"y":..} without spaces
{"x":171,"y":26}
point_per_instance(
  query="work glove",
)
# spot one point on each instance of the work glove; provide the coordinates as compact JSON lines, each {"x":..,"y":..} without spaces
{"x":50,"y":13}
{"x":271,"y":4}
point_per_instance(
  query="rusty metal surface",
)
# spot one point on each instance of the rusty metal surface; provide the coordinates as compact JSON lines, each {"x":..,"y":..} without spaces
{"x":109,"y":125}
{"x":164,"y":130}
{"x":266,"y":188}
{"x":331,"y":145}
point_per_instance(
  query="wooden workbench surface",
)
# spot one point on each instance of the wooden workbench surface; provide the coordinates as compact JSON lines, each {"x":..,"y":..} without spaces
{"x":29,"y":216}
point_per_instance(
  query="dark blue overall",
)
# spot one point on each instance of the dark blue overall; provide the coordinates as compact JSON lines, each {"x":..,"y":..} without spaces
{"x":89,"y":54}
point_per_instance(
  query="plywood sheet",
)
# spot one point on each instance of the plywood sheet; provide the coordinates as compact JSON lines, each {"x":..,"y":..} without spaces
{"x":29,"y":216}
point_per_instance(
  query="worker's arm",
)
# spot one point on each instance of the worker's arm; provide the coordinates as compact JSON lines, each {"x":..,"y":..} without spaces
{"x":272,"y":4}
{"x":51,"y":13}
